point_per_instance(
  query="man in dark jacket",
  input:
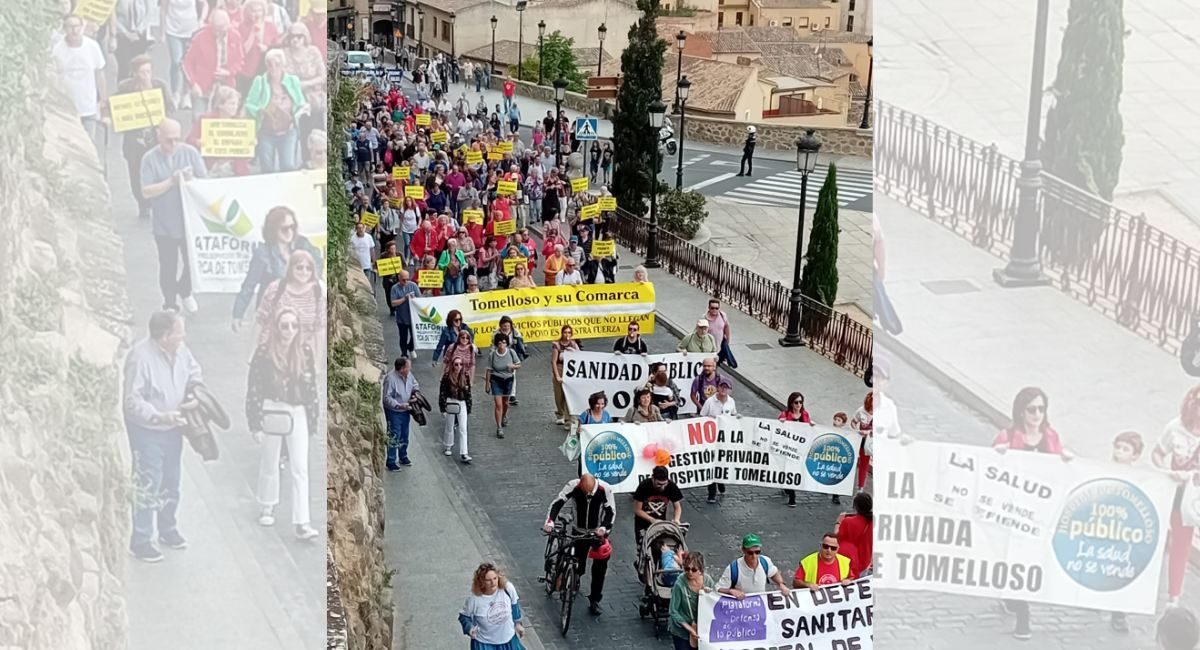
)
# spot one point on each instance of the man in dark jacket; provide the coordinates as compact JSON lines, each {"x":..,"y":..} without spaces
{"x":595,"y":511}
{"x":747,"y":167}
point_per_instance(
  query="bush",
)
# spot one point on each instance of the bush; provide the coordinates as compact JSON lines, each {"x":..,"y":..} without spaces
{"x":681,"y":212}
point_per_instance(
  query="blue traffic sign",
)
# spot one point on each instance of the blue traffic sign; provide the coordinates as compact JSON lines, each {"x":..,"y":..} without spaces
{"x":587,"y":128}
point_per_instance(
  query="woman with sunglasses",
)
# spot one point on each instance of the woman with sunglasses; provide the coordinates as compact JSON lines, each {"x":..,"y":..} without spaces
{"x":454,"y":326}
{"x":282,"y":408}
{"x":300,"y":291}
{"x":796,"y":413}
{"x":564,"y":343}
{"x":1029,"y":430}
{"x":270,"y":261}
{"x":683,"y":616}
{"x":454,"y":402}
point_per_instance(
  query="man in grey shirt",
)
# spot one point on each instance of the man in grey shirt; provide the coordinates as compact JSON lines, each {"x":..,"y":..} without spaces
{"x":158,"y":371}
{"x":398,"y":388}
{"x":165,"y":169}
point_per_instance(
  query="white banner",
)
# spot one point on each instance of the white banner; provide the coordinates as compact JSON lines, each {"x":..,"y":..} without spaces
{"x":619,"y":375}
{"x":224,"y":219}
{"x":592,"y":311}
{"x":837,"y":617}
{"x":1021,"y":525}
{"x":732,"y":450}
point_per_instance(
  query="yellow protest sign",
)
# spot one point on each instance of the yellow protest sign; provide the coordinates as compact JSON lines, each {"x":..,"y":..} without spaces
{"x":400,"y":172}
{"x":439,"y":137}
{"x":608,"y":203}
{"x":506,"y":188}
{"x":424,"y":119}
{"x":430,"y":279}
{"x":389,"y":265}
{"x":472,"y":215}
{"x":474,"y":157}
{"x":305,"y":8}
{"x":396,"y":201}
{"x":604,"y":248}
{"x":139,"y":110}
{"x":414,"y":192}
{"x":227,"y":138}
{"x":579,"y":184}
{"x":590,"y":211}
{"x":95,"y":11}
{"x":369,"y":219}
{"x":495,"y":155}
{"x":510,"y":264}
{"x":505,"y":226}
{"x":504,"y":146}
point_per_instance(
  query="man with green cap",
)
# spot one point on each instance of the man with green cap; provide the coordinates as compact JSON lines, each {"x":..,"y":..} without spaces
{"x":750,"y":573}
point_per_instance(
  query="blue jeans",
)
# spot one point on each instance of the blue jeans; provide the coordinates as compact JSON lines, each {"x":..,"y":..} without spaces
{"x":454,"y":286}
{"x":156,"y":472}
{"x":277,"y":153}
{"x":397,"y":449}
{"x":177,"y":47}
{"x":681,"y":643}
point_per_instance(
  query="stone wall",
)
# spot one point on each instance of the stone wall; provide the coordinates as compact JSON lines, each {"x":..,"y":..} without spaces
{"x":64,"y":328}
{"x":573,"y":101}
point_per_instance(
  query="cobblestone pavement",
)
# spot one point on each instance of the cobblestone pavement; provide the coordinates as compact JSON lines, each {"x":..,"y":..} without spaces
{"x":920,"y":619}
{"x":514,"y":480}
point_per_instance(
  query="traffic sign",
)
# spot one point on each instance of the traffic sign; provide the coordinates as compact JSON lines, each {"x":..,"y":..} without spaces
{"x":587,"y":128}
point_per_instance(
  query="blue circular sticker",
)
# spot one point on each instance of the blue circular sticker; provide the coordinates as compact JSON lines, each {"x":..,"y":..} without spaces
{"x":830,"y":459}
{"x":609,"y":457}
{"x":1106,"y":534}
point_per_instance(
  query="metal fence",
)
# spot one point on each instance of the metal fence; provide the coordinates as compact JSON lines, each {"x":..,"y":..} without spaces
{"x":1141,"y":277}
{"x":830,"y":333}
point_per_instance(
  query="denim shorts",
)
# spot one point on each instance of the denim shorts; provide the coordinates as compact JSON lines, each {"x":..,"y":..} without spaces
{"x":501,"y":387}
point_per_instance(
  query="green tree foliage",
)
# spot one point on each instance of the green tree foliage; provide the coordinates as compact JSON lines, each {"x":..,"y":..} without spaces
{"x":820,"y":278}
{"x":633,"y":139}
{"x":559,"y":57}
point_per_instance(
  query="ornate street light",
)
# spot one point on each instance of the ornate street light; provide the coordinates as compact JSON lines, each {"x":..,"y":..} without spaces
{"x":807,"y":148}
{"x":541,"y":35}
{"x":658,"y":110}
{"x":681,"y":92}
{"x":601,"y":32}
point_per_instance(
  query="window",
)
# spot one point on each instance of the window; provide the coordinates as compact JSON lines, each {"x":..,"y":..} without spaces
{"x":737,"y":18}
{"x":787,"y":22}
{"x":803,"y":22}
{"x":850,"y":23}
{"x":752,"y":20}
{"x":445,"y":31}
{"x":828,"y":22}
{"x":721,"y":19}
{"x":434,"y":21}
{"x":851,"y":5}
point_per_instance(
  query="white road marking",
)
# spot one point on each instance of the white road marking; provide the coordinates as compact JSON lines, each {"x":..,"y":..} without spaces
{"x":711,"y":181}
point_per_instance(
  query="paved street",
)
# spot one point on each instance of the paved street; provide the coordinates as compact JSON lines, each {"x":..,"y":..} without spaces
{"x":783,"y":188}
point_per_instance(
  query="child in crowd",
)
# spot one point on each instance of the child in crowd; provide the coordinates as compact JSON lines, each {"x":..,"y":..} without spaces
{"x":670,"y":563}
{"x":1127,"y":449}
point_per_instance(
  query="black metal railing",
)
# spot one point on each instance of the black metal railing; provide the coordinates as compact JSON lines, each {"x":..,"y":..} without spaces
{"x":835,"y":335}
{"x":1114,"y":261}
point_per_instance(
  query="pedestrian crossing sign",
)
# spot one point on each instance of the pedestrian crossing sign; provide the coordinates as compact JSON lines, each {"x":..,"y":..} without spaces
{"x":587,"y":128}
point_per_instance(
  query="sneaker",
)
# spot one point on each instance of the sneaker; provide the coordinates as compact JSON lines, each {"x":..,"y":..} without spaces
{"x":412,"y":356}
{"x":1022,"y":631}
{"x":447,"y":452}
{"x":465,"y":459}
{"x":791,"y":504}
{"x":190,"y":306}
{"x":741,"y":174}
{"x":504,"y":421}
{"x":304,"y":531}
{"x":513,"y":401}
{"x":560,"y":421}
{"x":393,"y":467}
{"x":1120,"y":623}
{"x":146,"y":553}
{"x":836,"y":500}
{"x":721,"y":488}
{"x":594,"y":608}
{"x":172,"y":539}
{"x":267,"y":516}
{"x":500,"y":433}
{"x":405,"y":463}
{"x":712,"y":499}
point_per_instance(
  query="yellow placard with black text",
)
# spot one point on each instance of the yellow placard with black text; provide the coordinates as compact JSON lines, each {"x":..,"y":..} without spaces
{"x":95,"y":11}
{"x":138,"y":110}
{"x":506,"y":188}
{"x":439,"y":137}
{"x":369,"y":219}
{"x":505,"y":227}
{"x":604,"y":248}
{"x":495,"y":155}
{"x":589,"y":211}
{"x":579,"y":184}
{"x":430,"y":279}
{"x":474,"y":157}
{"x":472,"y":215}
{"x":227,"y":138}
{"x":511,"y":263}
{"x":504,"y":146}
{"x":608,"y":203}
{"x":424,"y":119}
{"x":389,"y":265}
{"x":414,"y":192}
{"x":400,"y":173}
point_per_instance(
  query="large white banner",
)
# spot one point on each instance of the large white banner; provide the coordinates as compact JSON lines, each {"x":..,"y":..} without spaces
{"x":592,"y":311}
{"x":837,"y":617}
{"x":619,"y":375}
{"x":733,"y":450}
{"x":1021,"y":525}
{"x":224,"y":219}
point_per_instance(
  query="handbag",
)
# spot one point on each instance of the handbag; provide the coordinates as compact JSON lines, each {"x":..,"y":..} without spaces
{"x":453,"y":408}
{"x":693,"y":640}
{"x":277,"y":423}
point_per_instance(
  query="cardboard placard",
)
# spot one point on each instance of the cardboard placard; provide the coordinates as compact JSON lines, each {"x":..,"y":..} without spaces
{"x":95,"y":11}
{"x":396,"y":201}
{"x":511,"y":263}
{"x":604,"y":248}
{"x":590,"y":211}
{"x":228,"y":138}
{"x":439,"y":137}
{"x":139,"y":110}
{"x":608,"y":203}
{"x":472,"y":215}
{"x":474,"y":157}
{"x":505,"y":226}
{"x":369,"y":219}
{"x":495,"y":155}
{"x":401,"y":172}
{"x":506,"y":188}
{"x":389,"y":265}
{"x":504,"y":146}
{"x":430,"y":279}
{"x":579,"y":184}
{"x":424,"y":119}
{"x":414,"y":191}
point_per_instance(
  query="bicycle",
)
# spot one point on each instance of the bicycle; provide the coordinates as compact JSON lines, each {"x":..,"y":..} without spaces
{"x":562,"y":570}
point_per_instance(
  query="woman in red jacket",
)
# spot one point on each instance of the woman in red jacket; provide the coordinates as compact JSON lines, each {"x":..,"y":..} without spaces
{"x":1178,"y":454}
{"x":855,"y":532}
{"x":426,"y":241}
{"x":796,"y":413}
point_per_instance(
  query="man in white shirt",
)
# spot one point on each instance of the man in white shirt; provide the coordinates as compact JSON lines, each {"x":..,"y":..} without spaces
{"x":750,"y":573}
{"x":721,"y":403}
{"x":569,"y":275}
{"x":363,"y":245}
{"x":81,"y":65}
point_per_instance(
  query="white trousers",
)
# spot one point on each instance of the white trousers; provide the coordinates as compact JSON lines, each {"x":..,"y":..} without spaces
{"x":451,"y":419}
{"x":268,"y":466}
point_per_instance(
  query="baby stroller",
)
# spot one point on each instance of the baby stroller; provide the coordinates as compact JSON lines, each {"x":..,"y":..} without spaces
{"x":657,"y":583}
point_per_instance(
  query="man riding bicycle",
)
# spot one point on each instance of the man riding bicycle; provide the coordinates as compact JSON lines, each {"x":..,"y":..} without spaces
{"x":595,"y":511}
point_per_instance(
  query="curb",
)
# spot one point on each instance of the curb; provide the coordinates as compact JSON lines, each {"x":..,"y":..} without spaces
{"x":942,"y":379}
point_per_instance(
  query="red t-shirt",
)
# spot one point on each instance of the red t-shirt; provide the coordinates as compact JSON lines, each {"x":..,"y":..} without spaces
{"x":827,"y":574}
{"x":855,"y":539}
{"x":509,"y":88}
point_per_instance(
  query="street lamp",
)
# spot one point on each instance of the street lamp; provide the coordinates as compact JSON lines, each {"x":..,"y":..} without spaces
{"x":657,"y":111}
{"x":520,"y":34}
{"x":601,"y":32}
{"x":807,"y":148}
{"x":453,"y":34}
{"x":1024,"y":269}
{"x":681,"y":91}
{"x":420,"y":32}
{"x":870,"y":75}
{"x":560,"y":93}
{"x":541,"y":34}
{"x":492,"y":63}
{"x":680,"y":41}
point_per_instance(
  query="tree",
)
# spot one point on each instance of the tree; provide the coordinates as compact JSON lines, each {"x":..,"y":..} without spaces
{"x":559,"y":57}
{"x":634,"y":143}
{"x":820,"y":278}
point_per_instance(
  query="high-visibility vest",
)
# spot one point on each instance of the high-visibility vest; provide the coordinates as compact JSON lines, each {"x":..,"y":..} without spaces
{"x":809,"y":564}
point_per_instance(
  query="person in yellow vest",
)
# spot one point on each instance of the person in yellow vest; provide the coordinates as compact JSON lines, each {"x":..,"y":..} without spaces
{"x":823,"y":568}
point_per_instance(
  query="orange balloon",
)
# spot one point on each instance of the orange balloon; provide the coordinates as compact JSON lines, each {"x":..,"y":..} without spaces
{"x":662,"y":457}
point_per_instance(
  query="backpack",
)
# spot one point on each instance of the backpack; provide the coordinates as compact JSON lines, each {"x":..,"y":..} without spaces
{"x":733,"y":570}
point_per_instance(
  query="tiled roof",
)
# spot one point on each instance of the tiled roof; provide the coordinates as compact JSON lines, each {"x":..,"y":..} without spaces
{"x":804,"y":66}
{"x":716,"y":86}
{"x":729,"y":40}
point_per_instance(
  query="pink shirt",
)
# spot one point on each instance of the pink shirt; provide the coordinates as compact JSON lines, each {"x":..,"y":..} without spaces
{"x":716,"y":326}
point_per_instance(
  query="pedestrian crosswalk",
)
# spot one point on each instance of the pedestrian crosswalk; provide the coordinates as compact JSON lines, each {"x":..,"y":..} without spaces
{"x":783,"y":189}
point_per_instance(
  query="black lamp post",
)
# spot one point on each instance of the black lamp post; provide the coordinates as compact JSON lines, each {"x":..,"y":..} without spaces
{"x":453,"y":35}
{"x":520,"y":34}
{"x":870,"y":75}
{"x":681,"y":91}
{"x":492,"y":63}
{"x":1024,"y":268}
{"x":680,"y":41}
{"x":807,"y":148}
{"x":420,"y":32}
{"x":601,"y":32}
{"x":541,"y":34}
{"x":658,"y":110}
{"x":560,"y":93}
